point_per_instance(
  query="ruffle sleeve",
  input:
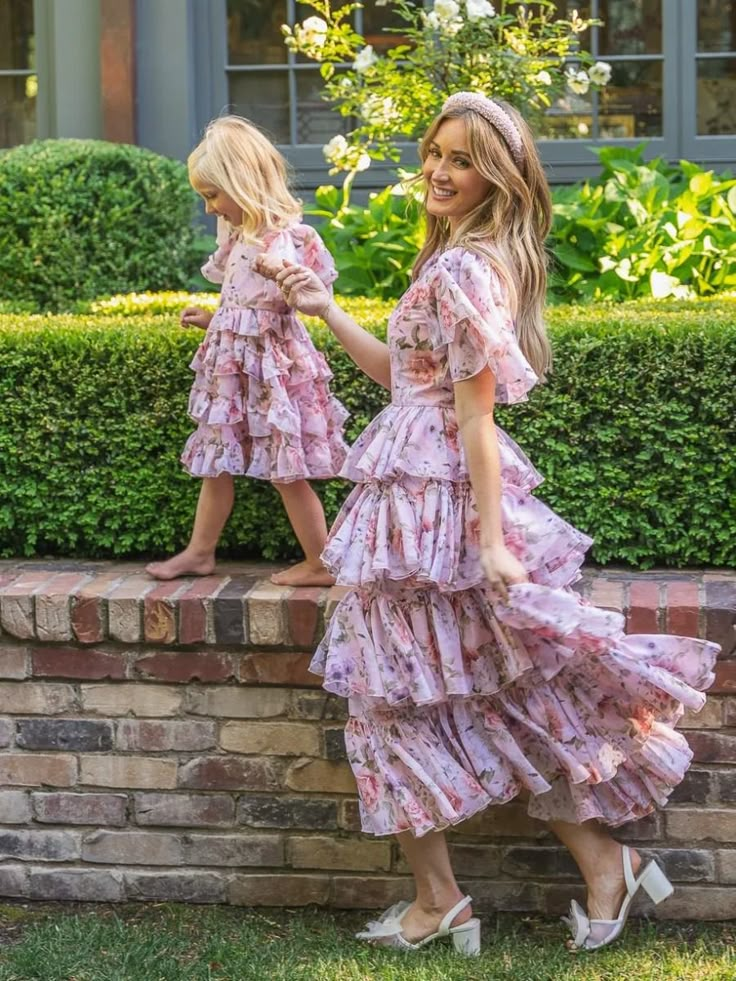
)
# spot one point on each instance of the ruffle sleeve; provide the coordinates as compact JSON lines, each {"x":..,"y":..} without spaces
{"x":214,"y":269}
{"x":475,"y":324}
{"x":301,"y":244}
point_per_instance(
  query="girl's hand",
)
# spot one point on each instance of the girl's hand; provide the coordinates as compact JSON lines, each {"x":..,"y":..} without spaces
{"x":502,"y":569}
{"x":301,"y":287}
{"x":195,"y":317}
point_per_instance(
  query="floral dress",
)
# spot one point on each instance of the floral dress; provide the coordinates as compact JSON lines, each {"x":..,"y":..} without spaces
{"x":261,"y":398}
{"x":457,"y":700}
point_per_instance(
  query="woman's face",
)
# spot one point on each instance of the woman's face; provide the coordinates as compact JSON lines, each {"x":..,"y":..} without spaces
{"x":217,"y":202}
{"x":454,"y":186}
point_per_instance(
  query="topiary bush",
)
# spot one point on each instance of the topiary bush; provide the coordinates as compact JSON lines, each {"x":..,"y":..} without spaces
{"x":84,"y":218}
{"x":635,"y":434}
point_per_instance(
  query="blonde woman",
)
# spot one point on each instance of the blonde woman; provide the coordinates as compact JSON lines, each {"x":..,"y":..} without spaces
{"x":474,"y":672}
{"x":261,"y":397}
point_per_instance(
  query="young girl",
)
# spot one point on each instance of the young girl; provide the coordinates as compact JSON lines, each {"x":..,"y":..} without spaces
{"x":474,"y":673}
{"x":260,"y":397}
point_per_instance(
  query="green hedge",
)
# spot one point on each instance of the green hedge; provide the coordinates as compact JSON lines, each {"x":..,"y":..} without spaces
{"x":635,"y":433}
{"x":80,"y":218}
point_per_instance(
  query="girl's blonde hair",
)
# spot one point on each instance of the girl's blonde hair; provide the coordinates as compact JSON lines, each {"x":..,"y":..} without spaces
{"x":508,"y":227}
{"x":237,"y":158}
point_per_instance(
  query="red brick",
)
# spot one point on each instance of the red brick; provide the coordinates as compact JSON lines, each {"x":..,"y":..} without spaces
{"x":323,"y":853}
{"x":193,"y":608}
{"x":72,"y":662}
{"x":17,"y":603}
{"x":321,"y":776}
{"x":89,"y":608}
{"x":94,"y":809}
{"x":712,"y":747}
{"x":720,"y":614}
{"x":280,"y":890}
{"x":607,"y":593}
{"x":643,"y":607}
{"x":176,"y":887}
{"x":228,"y":773}
{"x":279,"y":669}
{"x":304,"y":608}
{"x":185,"y":810}
{"x":234,"y":851}
{"x":370,"y":892}
{"x":127,"y":772}
{"x":75,"y":885}
{"x":725,"y":683}
{"x":35,"y":770}
{"x":132,"y":848}
{"x":186,"y":666}
{"x":53,"y":605}
{"x":350,"y":815}
{"x":159,"y":618}
{"x":125,"y":607}
{"x":683,"y":604}
{"x":186,"y":736}
{"x":507,"y":820}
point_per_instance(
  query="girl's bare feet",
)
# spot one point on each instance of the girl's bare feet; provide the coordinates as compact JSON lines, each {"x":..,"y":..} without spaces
{"x":304,"y":574}
{"x":186,"y":563}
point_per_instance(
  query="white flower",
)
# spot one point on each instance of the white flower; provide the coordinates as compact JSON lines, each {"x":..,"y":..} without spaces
{"x":336,"y":149}
{"x":363,"y":162}
{"x":378,"y":111}
{"x":314,"y":31}
{"x":578,"y":82}
{"x":365,"y":58}
{"x":479,"y":9}
{"x":543,"y":77}
{"x":583,"y":129}
{"x":600,"y":73}
{"x":446,"y":9}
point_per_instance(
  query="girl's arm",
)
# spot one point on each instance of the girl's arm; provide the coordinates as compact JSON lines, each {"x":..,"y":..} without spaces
{"x":305,"y":291}
{"x":474,"y":403}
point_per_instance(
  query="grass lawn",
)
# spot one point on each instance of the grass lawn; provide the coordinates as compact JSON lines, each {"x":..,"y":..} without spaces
{"x":53,"y":942}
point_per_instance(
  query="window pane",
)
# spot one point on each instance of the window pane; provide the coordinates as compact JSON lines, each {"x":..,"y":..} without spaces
{"x":315,"y":121}
{"x":17,"y":109}
{"x":631,"y":103}
{"x":569,"y":118}
{"x":254,"y":32}
{"x":376,"y":20}
{"x":564,"y":10}
{"x":716,"y":25}
{"x":634,"y":27}
{"x":262,"y":97}
{"x":716,"y":96}
{"x":16,"y":34}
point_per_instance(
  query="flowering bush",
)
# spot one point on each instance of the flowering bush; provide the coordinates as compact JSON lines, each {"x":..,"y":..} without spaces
{"x":522,"y":52}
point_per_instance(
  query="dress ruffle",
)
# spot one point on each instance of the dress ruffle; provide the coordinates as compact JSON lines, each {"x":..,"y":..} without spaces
{"x":261,"y":396}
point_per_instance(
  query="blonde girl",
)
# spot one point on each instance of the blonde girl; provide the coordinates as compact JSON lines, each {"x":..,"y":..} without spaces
{"x":260,"y":398}
{"x":474,"y":673}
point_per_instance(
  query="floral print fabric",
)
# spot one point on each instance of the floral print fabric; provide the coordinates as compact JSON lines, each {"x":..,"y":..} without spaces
{"x":261,"y":396}
{"x":457,"y":700}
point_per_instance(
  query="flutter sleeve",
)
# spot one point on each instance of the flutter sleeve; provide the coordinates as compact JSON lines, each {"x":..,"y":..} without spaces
{"x":314,"y":253}
{"x":214,"y":269}
{"x":475,"y":324}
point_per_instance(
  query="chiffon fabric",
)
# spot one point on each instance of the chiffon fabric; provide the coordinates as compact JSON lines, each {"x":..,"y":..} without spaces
{"x":458,"y":700}
{"x":261,"y":396}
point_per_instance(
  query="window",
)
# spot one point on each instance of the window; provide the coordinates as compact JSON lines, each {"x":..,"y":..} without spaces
{"x":277,"y":90}
{"x":18,"y":81}
{"x":716,"y":67}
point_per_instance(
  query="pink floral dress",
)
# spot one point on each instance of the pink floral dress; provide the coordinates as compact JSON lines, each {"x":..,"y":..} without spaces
{"x":261,"y":398}
{"x":458,"y":701}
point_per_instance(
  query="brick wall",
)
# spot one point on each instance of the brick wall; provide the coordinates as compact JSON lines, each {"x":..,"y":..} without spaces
{"x":167,"y":742}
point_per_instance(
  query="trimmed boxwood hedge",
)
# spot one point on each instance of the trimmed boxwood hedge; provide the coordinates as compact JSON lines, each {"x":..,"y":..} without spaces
{"x":79,"y":218}
{"x":635,"y":433}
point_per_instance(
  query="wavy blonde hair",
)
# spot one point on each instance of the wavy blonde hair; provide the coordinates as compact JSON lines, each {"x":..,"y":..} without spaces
{"x":237,"y":158}
{"x":508,"y":227}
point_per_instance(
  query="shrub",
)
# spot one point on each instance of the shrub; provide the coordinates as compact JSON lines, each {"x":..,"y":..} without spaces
{"x":635,"y":434}
{"x":82,"y":218}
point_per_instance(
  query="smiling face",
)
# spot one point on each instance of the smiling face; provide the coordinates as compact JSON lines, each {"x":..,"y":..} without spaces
{"x":217,"y":202}
{"x":454,"y":186}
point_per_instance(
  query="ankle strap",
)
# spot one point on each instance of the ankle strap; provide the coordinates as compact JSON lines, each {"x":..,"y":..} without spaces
{"x":628,"y":871}
{"x":450,"y":916}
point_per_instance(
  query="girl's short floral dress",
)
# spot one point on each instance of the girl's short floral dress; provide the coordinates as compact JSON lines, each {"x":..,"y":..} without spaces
{"x":261,"y":398}
{"x":458,"y":701}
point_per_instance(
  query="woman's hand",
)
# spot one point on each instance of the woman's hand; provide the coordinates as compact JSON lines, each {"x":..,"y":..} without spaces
{"x":502,"y":569}
{"x":301,"y":287}
{"x":195,"y":317}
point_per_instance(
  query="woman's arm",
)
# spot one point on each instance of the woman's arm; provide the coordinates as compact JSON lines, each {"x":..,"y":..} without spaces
{"x":305,"y":291}
{"x":474,"y":403}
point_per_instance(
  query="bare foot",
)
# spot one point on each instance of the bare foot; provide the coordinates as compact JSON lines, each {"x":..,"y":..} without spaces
{"x":607,"y":886}
{"x":304,"y":574}
{"x":186,"y":563}
{"x":418,"y":922}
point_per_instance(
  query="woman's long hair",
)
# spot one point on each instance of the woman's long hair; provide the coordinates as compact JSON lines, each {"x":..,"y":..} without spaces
{"x":236,"y":157}
{"x":508,"y":227}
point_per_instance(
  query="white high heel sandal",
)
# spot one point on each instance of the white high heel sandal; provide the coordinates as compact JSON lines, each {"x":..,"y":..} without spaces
{"x":654,"y":883}
{"x":387,"y":930}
